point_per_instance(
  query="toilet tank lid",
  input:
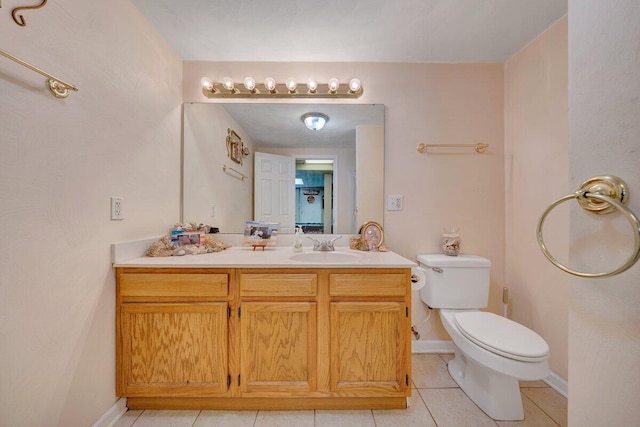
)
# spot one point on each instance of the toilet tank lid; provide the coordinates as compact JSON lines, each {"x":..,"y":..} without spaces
{"x":441,"y":260}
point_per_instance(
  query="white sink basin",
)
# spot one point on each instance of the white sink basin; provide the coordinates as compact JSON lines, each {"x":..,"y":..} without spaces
{"x":327,"y":257}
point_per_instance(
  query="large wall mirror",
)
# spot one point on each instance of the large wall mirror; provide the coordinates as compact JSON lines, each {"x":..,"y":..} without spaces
{"x":325,"y":181}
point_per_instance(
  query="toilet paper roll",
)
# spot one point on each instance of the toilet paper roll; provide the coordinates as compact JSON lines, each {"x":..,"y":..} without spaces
{"x":418,"y":278}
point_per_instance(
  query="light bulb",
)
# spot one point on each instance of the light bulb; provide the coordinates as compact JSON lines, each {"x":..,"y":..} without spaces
{"x":270,"y":84}
{"x":334,"y":84}
{"x":228,"y":83}
{"x":291,"y":85}
{"x":250,"y":83}
{"x":206,"y":83}
{"x":312,"y":85}
{"x":354,"y":85}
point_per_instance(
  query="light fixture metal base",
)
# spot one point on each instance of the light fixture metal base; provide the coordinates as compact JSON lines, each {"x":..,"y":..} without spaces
{"x":280,"y":91}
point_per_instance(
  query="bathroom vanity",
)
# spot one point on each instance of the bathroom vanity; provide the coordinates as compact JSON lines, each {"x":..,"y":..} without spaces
{"x":264,"y":330}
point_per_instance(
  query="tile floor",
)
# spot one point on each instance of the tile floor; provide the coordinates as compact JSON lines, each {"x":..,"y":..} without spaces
{"x":436,"y":401}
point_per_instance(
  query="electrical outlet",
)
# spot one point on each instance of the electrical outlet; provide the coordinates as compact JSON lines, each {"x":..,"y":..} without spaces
{"x":117,"y":212}
{"x":394,"y":203}
{"x":213,"y":211}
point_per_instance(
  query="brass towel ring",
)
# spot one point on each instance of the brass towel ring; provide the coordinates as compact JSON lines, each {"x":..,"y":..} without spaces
{"x":600,"y":195}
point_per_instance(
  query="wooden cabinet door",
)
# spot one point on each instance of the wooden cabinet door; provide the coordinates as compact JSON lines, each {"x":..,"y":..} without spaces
{"x":174,"y":349}
{"x":278,"y":343}
{"x":368,"y":348}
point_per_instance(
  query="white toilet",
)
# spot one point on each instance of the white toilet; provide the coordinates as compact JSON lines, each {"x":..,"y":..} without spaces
{"x":491,"y":352}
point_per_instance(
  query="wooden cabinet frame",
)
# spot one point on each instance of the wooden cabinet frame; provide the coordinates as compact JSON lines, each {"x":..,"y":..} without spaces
{"x":303,"y":338}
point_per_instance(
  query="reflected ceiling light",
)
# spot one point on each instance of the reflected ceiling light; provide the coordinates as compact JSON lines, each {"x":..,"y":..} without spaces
{"x":226,"y":88}
{"x":314,"y":121}
{"x":319,"y":161}
{"x":299,"y":181}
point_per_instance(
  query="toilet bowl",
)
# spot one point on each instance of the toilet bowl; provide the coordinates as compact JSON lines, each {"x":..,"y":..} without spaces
{"x":491,"y":352}
{"x":489,"y":376}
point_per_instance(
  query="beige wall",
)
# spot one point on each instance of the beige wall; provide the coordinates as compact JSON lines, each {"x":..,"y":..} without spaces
{"x":120,"y":136}
{"x":432,"y":103}
{"x":369,"y":174}
{"x":205,"y":182}
{"x":61,"y":161}
{"x":536,"y":174}
{"x":604,"y":112}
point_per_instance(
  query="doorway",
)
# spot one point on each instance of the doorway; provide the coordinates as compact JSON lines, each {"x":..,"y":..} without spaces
{"x":314,"y":203}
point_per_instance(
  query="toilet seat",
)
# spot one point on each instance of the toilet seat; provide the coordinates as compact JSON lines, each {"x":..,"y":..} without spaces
{"x":502,"y":336}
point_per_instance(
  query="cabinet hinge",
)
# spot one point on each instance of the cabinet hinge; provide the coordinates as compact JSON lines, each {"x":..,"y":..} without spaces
{"x":407,"y":379}
{"x":406,"y":311}
{"x":239,"y":312}
{"x":238,"y":379}
{"x":228,"y":380}
{"x":228,"y":312}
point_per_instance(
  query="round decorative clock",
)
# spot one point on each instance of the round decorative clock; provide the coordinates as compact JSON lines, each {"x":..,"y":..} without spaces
{"x":371,"y":233}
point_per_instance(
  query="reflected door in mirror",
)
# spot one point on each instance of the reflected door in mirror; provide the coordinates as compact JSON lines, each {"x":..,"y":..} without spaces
{"x":274,"y":198}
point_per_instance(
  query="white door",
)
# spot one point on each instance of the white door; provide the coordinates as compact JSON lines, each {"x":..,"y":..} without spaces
{"x":274,"y":196}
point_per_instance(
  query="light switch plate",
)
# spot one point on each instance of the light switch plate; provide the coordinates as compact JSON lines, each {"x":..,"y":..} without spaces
{"x":394,"y":202}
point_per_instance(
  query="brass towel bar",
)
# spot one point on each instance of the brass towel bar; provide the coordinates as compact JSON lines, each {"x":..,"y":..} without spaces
{"x":480,"y":147}
{"x":58,"y":87}
{"x":241,"y":177}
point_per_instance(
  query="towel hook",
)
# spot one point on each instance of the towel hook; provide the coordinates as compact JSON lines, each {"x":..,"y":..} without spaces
{"x":600,"y":195}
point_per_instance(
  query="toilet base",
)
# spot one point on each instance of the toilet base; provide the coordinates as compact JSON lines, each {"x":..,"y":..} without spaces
{"x":498,"y":395}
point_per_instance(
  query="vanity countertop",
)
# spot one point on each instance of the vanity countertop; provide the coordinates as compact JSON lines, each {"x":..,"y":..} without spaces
{"x":281,"y":257}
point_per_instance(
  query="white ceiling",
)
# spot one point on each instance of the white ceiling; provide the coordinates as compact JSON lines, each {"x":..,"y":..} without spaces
{"x":350,"y":30}
{"x":280,"y":125}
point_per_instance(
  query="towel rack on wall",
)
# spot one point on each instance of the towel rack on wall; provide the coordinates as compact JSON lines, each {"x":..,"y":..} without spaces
{"x":240,"y":175}
{"x":601,"y":195}
{"x":58,"y":87}
{"x":479,"y":147}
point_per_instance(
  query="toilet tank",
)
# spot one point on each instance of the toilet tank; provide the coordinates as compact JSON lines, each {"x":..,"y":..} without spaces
{"x":457,"y":282}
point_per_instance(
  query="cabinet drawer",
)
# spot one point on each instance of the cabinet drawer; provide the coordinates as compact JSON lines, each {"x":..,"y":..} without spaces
{"x":278,"y":285}
{"x":173,"y":285}
{"x":368,"y":285}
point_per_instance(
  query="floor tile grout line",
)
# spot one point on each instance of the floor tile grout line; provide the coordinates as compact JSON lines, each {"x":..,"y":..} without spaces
{"x":542,"y":409}
{"x":196,"y":419}
{"x":427,"y":406}
{"x":137,"y":418}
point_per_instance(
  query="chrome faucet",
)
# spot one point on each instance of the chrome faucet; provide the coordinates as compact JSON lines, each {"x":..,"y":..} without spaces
{"x":323,"y":245}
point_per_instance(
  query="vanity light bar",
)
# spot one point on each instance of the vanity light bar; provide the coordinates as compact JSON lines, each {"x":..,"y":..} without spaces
{"x":227,"y":88}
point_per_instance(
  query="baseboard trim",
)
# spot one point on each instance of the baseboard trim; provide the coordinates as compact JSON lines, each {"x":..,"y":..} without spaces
{"x":432,"y":346}
{"x":113,"y":414}
{"x":558,"y":383}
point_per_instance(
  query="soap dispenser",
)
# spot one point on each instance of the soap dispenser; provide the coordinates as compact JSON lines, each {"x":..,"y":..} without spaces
{"x":297,"y":241}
